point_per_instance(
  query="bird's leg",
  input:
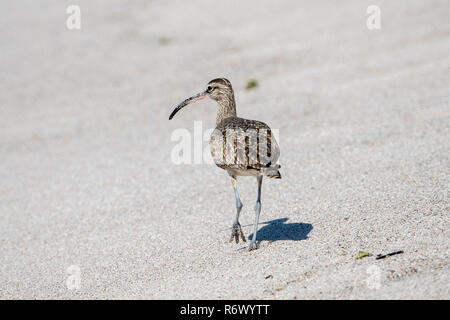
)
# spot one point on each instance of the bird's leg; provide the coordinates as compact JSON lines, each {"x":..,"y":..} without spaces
{"x":253,"y":244}
{"x":236,"y":229}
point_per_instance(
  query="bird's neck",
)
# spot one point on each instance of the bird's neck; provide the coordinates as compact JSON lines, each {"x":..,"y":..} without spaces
{"x":227,"y":109}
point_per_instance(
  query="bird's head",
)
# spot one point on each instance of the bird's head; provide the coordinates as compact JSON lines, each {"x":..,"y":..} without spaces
{"x":219,"y":89}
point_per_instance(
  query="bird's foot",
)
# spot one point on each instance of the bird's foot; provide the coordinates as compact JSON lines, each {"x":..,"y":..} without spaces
{"x":236,"y":231}
{"x":253,"y":246}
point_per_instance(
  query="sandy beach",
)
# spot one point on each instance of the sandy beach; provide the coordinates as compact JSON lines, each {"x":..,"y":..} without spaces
{"x":88,"y":189}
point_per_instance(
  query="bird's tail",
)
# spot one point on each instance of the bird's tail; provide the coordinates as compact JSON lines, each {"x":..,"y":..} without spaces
{"x":272,"y":171}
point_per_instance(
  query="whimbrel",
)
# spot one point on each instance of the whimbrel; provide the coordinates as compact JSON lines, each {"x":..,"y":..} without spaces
{"x":241,"y":147}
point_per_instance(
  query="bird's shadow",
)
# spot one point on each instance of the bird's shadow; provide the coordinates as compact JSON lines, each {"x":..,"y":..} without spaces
{"x":277,"y":229}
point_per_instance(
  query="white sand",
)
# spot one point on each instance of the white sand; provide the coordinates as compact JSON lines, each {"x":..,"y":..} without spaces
{"x":86,"y":177}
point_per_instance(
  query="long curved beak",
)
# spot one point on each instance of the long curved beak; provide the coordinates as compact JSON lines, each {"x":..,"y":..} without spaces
{"x":199,"y":96}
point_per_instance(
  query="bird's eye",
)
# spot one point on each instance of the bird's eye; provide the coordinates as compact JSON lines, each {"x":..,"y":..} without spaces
{"x":209,"y":89}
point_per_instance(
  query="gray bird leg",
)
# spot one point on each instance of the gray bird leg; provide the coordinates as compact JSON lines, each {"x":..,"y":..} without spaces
{"x":253,"y":244}
{"x":236,"y":229}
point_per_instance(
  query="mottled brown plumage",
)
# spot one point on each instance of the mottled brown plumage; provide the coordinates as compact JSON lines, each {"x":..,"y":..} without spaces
{"x":241,"y":147}
{"x":245,"y":147}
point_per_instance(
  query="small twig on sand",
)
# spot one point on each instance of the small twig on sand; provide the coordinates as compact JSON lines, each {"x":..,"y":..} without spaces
{"x":382,"y":256}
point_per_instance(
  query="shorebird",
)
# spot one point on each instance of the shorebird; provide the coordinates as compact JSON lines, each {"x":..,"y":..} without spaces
{"x":241,"y":147}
